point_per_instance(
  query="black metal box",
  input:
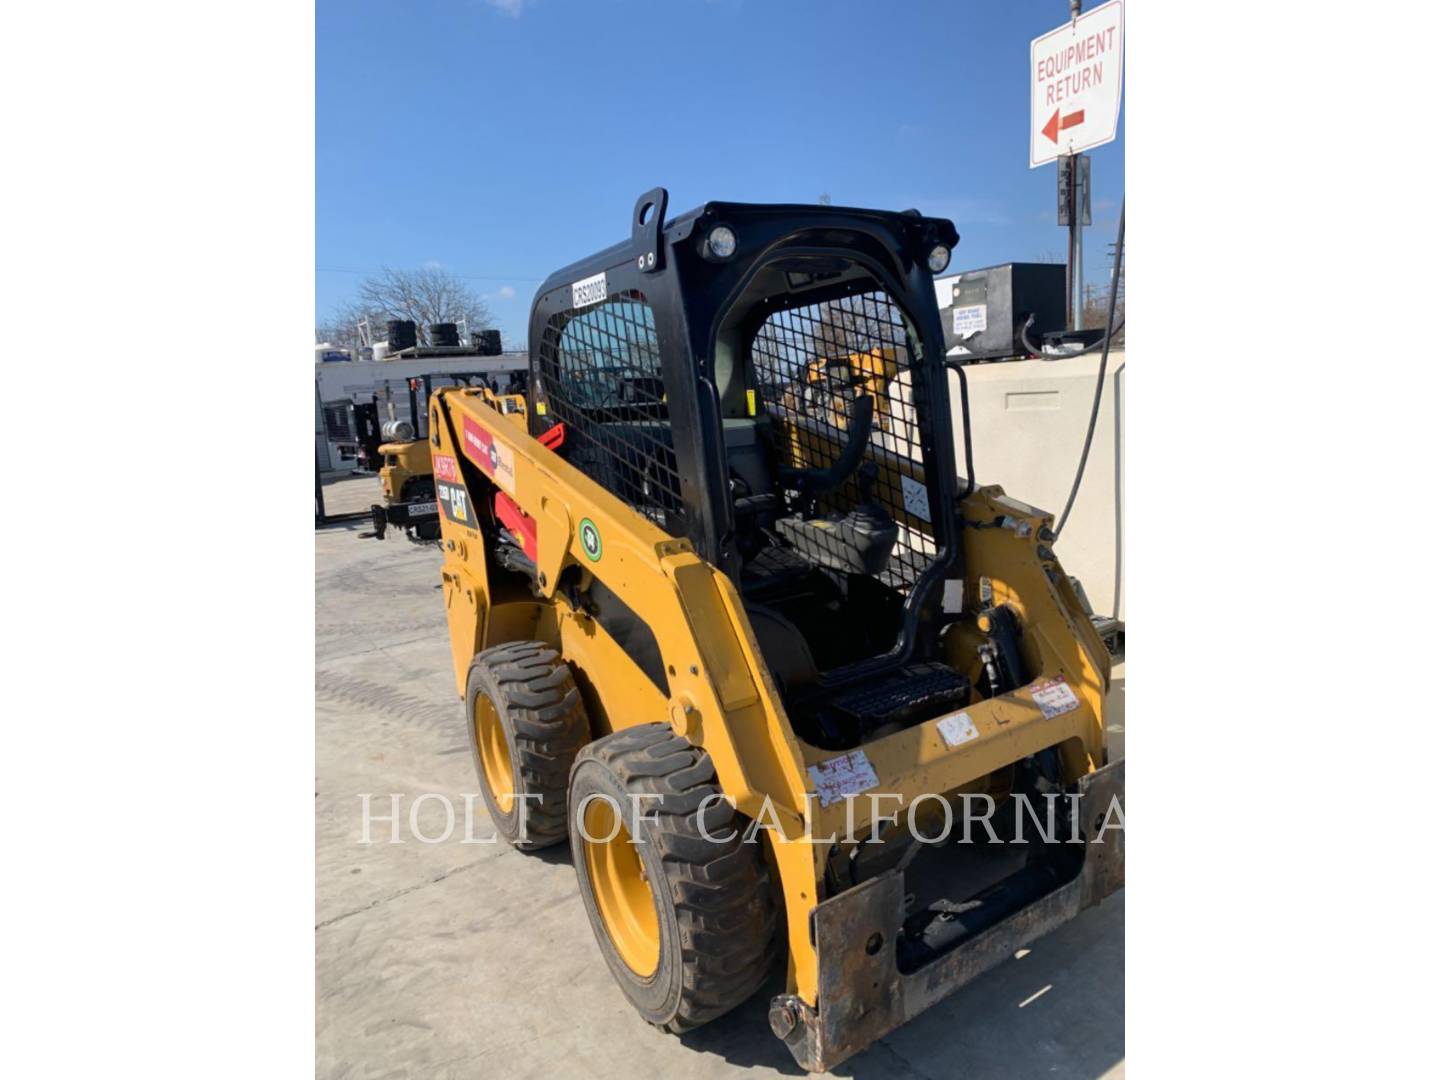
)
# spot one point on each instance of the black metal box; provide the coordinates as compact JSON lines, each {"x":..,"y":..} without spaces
{"x":988,"y":307}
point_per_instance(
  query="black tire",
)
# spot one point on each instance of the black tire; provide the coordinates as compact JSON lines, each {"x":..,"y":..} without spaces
{"x":716,"y":913}
{"x":544,"y":725}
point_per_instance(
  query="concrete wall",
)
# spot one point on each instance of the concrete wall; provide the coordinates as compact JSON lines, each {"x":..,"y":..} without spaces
{"x":1028,"y":421}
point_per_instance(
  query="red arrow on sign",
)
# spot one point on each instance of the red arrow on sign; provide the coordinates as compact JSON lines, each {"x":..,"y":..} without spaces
{"x":1058,"y":123}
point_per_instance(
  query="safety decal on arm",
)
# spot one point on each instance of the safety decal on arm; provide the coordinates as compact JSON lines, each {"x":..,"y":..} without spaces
{"x":1054,"y":697}
{"x":446,"y":468}
{"x":957,"y":728}
{"x":590,"y":540}
{"x":848,"y":774}
{"x":495,"y":459}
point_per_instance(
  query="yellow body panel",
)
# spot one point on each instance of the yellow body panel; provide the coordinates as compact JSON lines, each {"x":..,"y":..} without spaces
{"x":511,"y":405}
{"x":403,"y":461}
{"x":721,"y":696}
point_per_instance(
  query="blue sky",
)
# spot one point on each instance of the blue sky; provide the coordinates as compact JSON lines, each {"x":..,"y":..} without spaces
{"x":502,"y":139}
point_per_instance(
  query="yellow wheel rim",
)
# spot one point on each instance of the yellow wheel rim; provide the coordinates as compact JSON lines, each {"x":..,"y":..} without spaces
{"x":494,"y":753}
{"x":622,"y":892}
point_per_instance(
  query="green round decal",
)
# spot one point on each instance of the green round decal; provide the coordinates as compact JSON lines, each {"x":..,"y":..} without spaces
{"x":590,"y":540}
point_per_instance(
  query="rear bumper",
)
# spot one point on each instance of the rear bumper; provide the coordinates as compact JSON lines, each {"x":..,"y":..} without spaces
{"x":419,"y":512}
{"x":863,"y":995}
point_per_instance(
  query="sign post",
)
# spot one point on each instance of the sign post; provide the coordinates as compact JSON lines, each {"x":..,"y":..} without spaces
{"x":1076,"y":73}
{"x":1072,"y":205}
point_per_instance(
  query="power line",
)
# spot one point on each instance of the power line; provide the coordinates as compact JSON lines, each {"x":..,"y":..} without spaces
{"x":467,"y":277}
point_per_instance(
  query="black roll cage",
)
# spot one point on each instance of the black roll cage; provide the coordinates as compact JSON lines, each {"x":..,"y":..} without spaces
{"x":691,"y":291}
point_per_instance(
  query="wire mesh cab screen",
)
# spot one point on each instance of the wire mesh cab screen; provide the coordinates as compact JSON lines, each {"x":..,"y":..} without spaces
{"x":603,"y":380}
{"x":811,"y":364}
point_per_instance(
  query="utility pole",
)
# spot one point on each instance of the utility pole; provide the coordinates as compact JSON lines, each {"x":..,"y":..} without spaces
{"x":1074,"y":255}
{"x":1073,"y":208}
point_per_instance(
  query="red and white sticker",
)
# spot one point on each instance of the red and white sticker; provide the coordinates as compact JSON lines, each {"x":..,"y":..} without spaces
{"x":1054,"y":697}
{"x":496,"y":460}
{"x":446,"y":468}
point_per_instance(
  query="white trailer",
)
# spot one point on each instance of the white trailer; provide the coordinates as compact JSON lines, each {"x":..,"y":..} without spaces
{"x":341,"y":384}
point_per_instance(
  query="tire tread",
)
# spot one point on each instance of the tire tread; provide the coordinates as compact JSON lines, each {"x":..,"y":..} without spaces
{"x":547,"y":718}
{"x":720,"y":891}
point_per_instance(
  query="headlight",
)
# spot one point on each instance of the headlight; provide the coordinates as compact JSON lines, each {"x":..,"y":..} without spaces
{"x":721,"y":242}
{"x":939,"y":258}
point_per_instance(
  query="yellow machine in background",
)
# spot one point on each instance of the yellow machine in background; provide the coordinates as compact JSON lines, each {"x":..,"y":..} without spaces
{"x":407,"y":480}
{"x":831,"y":384}
{"x":729,"y":642}
{"x":402,"y":464}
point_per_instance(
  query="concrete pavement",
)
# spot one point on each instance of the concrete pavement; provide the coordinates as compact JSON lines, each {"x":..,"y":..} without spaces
{"x":460,"y":959}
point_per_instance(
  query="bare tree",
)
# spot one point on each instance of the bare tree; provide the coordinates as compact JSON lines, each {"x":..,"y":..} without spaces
{"x":1097,"y":304}
{"x":856,"y":324}
{"x":425,"y":296}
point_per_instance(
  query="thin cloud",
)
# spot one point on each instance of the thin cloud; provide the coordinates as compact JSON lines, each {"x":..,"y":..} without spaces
{"x":965,"y":211}
{"x":513,"y":8}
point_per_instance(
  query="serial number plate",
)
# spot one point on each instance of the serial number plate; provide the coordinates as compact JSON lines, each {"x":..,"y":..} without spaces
{"x":590,"y":290}
{"x":422,"y":509}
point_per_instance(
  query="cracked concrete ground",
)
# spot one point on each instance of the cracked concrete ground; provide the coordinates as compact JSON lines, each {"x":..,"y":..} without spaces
{"x":467,"y":960}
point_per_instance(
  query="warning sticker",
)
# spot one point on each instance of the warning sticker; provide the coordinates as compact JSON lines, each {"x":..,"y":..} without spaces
{"x":957,"y":728}
{"x":1054,"y":697}
{"x":917,"y":499}
{"x":848,"y":774}
{"x":953,"y":599}
{"x":446,"y":468}
{"x":969,"y":320}
{"x":496,"y":460}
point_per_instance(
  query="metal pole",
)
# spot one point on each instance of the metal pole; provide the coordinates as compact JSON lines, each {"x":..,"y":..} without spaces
{"x":319,"y":496}
{"x":1066,"y":164}
{"x":1077,"y":231}
{"x":1074,"y":261}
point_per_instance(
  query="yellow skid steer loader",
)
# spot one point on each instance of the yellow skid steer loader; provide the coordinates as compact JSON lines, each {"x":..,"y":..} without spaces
{"x":749,"y":649}
{"x":407,"y":483}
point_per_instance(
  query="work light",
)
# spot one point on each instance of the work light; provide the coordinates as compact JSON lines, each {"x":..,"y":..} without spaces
{"x":939,"y":258}
{"x":721,"y":241}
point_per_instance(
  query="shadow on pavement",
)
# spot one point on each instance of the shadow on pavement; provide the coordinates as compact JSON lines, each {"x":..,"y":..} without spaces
{"x":1057,"y":1010}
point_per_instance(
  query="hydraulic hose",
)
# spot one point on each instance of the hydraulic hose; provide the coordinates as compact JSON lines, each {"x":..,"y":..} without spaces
{"x":1039,"y":354}
{"x":1100,"y":378}
{"x":959,"y":370}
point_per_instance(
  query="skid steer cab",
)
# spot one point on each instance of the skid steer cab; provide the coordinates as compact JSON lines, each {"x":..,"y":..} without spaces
{"x":726,"y":622}
{"x":407,"y":480}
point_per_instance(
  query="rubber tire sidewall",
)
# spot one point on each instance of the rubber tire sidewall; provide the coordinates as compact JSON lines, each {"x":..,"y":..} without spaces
{"x":657,"y":998}
{"x":477,"y":683}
